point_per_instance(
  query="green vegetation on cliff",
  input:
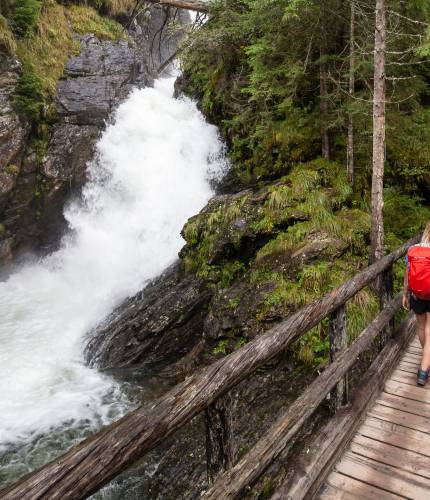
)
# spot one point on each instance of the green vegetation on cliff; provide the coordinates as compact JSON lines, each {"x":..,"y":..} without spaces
{"x":43,"y":35}
{"x":259,"y":80}
{"x":298,"y":228}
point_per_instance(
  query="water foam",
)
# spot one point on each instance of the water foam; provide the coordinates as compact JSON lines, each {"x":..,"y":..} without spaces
{"x":152,"y":173}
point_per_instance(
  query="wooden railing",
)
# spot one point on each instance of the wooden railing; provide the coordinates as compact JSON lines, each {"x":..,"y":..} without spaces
{"x":94,"y":462}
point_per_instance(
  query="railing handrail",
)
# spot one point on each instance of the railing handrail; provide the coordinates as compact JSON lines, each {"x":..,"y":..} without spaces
{"x":232,"y":483}
{"x":88,"y":466}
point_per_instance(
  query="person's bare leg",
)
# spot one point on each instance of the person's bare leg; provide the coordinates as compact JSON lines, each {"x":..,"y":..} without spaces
{"x":421,"y":326}
{"x":425,"y":362}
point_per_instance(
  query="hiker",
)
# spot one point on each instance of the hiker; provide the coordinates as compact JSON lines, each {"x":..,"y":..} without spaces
{"x":416,"y":296}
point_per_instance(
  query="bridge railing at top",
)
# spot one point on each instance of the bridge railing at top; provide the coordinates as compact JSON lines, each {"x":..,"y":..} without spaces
{"x":88,"y":466}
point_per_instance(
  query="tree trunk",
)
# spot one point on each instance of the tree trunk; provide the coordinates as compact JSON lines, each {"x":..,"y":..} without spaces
{"x":350,"y":142}
{"x":325,"y":140}
{"x":377,"y":235}
{"x":338,"y":337}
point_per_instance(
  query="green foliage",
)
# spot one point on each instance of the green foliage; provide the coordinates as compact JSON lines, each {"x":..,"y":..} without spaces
{"x":221,"y":347}
{"x":25,"y":16}
{"x":259,"y":81}
{"x":29,"y":94}
{"x":87,"y":20}
{"x":45,"y":52}
{"x":404,"y":215}
{"x":114,"y":8}
{"x":11,"y":169}
{"x":228,"y":272}
{"x":313,"y":347}
{"x":48,"y":49}
{"x":227,"y":344}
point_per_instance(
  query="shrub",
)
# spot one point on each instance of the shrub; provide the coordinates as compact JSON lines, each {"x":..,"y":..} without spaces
{"x":25,"y":16}
{"x":29,"y":95}
{"x":87,"y":20}
{"x":49,"y":47}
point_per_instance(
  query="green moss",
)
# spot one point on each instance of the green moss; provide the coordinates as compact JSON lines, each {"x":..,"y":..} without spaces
{"x":40,"y":147}
{"x":29,"y":95}
{"x":87,"y":20}
{"x":221,"y":347}
{"x":313,"y":281}
{"x":234,"y":303}
{"x":11,"y":169}
{"x":49,"y":48}
{"x":25,"y":15}
{"x":112,"y":7}
{"x":313,"y":190}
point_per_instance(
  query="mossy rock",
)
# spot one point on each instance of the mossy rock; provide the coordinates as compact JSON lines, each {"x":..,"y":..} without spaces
{"x":239,"y":225}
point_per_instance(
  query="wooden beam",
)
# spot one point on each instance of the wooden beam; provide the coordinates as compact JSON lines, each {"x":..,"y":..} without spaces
{"x":338,"y":337}
{"x":88,"y":466}
{"x":184,"y":4}
{"x":311,"y":468}
{"x":232,"y":484}
{"x":386,"y":294}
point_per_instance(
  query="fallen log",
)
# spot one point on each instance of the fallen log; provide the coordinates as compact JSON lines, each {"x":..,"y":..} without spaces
{"x":85,"y":468}
{"x":231,"y":484}
{"x":313,"y":465}
{"x":184,"y":4}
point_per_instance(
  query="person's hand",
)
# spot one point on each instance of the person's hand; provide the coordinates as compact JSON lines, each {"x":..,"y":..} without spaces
{"x":405,"y":302}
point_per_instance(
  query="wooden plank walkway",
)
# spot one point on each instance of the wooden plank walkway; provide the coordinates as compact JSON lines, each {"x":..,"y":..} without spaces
{"x":389,"y":457}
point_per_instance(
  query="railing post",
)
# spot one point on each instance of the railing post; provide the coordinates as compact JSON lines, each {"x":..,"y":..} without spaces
{"x":219,"y":436}
{"x":385,"y":296}
{"x":338,"y":336}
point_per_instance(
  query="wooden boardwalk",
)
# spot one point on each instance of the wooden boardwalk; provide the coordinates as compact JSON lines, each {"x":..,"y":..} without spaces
{"x":389,"y":457}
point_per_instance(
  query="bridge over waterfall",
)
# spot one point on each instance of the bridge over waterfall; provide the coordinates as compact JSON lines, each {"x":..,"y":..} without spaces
{"x":374,"y":445}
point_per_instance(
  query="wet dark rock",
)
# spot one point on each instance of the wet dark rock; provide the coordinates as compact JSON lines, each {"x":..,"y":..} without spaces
{"x":70,"y":149}
{"x":160,"y":324}
{"x":98,"y":78}
{"x":13,"y":131}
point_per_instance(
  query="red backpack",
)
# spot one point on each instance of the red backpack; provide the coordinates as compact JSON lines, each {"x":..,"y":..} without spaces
{"x":419,"y":271}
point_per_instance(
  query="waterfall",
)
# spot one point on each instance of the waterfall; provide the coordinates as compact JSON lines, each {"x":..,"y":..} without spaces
{"x":152,"y":171}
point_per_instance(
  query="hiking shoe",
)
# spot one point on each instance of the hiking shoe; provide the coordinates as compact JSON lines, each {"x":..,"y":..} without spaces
{"x":422,"y":377}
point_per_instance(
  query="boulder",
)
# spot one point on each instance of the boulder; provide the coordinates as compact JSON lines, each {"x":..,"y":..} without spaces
{"x":158,"y":325}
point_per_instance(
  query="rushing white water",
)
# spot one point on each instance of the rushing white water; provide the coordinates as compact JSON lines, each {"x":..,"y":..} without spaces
{"x":152,"y":173}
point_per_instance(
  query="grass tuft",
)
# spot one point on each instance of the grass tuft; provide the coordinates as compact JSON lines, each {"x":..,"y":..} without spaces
{"x":86,"y":20}
{"x":7,"y":41}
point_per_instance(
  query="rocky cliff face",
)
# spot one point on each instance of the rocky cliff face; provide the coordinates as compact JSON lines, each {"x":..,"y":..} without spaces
{"x":34,"y":185}
{"x":13,"y":135}
{"x":159,"y":325}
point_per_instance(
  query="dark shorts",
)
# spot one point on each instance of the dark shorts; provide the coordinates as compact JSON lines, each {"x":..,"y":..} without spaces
{"x":419,"y":306}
